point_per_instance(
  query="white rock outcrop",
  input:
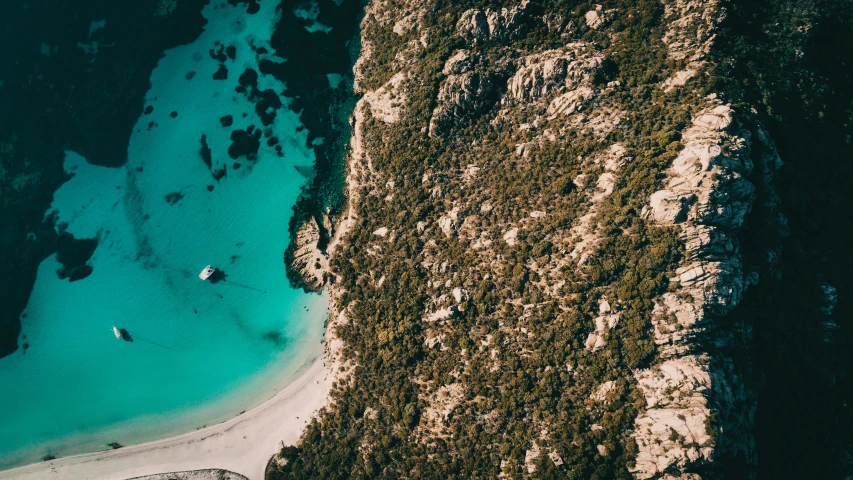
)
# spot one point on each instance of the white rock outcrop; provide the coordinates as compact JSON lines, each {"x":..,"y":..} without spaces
{"x":308,"y":260}
{"x":708,"y":197}
{"x":691,"y":26}
{"x":598,"y":17}
{"x":708,"y":194}
{"x":477,"y":25}
{"x":554,"y":71}
{"x":386,"y":103}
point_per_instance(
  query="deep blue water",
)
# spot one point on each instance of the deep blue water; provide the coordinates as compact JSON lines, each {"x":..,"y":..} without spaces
{"x":202,"y":352}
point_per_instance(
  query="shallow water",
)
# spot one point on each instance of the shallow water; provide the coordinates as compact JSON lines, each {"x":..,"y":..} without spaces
{"x":201,"y":351}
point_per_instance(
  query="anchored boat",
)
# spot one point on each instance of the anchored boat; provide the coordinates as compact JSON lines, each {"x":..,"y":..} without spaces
{"x":206,"y":273}
{"x":117,"y":332}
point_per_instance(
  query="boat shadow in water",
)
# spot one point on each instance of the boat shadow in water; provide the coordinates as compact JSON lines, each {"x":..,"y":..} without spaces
{"x":125,"y":335}
{"x":217,"y":276}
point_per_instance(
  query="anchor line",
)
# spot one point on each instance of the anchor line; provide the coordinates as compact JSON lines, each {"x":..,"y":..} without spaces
{"x":135,"y":337}
{"x":228,"y":282}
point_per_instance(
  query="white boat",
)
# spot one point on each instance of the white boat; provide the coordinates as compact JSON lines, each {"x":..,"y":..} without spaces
{"x":117,"y":332}
{"x":206,"y":273}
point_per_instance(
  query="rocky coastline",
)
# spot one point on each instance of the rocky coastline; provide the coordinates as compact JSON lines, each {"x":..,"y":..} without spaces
{"x":319,"y":85}
{"x":692,"y":396}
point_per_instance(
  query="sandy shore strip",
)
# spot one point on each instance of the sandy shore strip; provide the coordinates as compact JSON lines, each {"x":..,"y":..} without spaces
{"x":243,"y":444}
{"x":194,"y":475}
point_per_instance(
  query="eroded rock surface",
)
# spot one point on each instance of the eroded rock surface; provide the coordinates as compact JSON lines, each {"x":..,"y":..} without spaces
{"x":697,"y":406}
{"x":308,"y":260}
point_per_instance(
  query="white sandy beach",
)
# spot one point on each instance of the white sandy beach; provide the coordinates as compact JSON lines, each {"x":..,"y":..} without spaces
{"x":243,"y":444}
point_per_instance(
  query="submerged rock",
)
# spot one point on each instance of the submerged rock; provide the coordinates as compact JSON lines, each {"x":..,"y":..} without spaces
{"x":74,"y":255}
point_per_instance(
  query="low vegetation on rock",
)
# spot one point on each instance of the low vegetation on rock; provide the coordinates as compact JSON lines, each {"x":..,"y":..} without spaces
{"x":556,"y":213}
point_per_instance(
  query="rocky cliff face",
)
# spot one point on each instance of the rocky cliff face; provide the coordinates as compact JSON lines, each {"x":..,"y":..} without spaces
{"x":709,"y":195}
{"x":542,"y":243}
{"x":697,"y":405}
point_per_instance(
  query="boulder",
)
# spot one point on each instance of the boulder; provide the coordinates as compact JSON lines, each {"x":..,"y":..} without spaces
{"x":553,"y":71}
{"x":667,"y":207}
{"x":308,"y":261}
{"x":598,"y":17}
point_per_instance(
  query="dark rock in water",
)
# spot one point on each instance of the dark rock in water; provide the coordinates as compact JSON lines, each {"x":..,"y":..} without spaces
{"x":221,"y":74}
{"x":272,"y":141}
{"x":218,"y":55}
{"x":205,"y":152}
{"x":173,"y":114}
{"x":80,"y":273}
{"x":219,"y":173}
{"x":173,"y":198}
{"x":210,"y":188}
{"x":307,"y":172}
{"x":236,"y":166}
{"x":266,"y":104}
{"x":231,"y":51}
{"x":189,"y":75}
{"x":245,"y":143}
{"x":73,"y":254}
{"x":252,"y":6}
{"x":274,"y":337}
{"x":151,"y":125}
{"x":139,"y":169}
{"x":266,"y":101}
{"x":261,"y":51}
{"x":148,"y":110}
{"x":226,"y":121}
{"x":311,"y":56}
{"x":248,"y":79}
{"x":269,"y":67}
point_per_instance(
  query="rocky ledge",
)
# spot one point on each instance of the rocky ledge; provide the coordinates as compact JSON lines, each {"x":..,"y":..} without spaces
{"x":696,"y":405}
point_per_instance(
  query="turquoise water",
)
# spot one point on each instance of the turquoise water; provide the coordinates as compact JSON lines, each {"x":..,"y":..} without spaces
{"x":202,"y":352}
